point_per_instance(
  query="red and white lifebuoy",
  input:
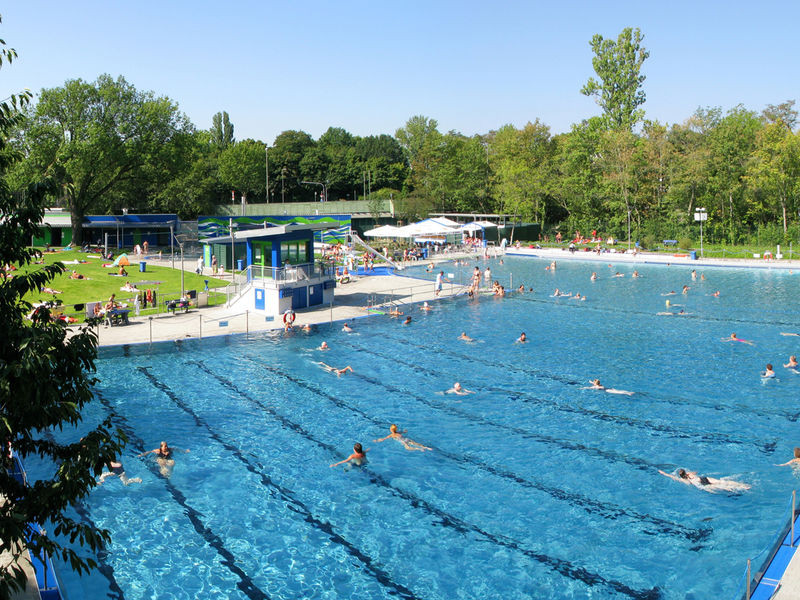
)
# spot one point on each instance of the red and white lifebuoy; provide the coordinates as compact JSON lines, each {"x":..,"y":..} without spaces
{"x":289,"y":317}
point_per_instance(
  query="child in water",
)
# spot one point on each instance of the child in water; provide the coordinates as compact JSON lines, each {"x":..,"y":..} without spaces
{"x":358,"y":457}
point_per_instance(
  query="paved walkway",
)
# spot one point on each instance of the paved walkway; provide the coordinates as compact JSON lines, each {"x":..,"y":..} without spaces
{"x":352,"y":301}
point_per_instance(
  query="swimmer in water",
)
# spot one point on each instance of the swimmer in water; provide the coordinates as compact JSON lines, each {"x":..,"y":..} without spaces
{"x":596,"y":385}
{"x":733,"y":338}
{"x":522,"y":338}
{"x":789,"y":333}
{"x":716,"y":294}
{"x":792,"y":364}
{"x":685,"y":290}
{"x":694,"y":275}
{"x":635,"y":274}
{"x":707,"y":484}
{"x":394,"y":312}
{"x":116,"y":468}
{"x":670,"y":293}
{"x":323,"y":346}
{"x":164,"y":458}
{"x":464,"y":337}
{"x":794,"y":461}
{"x":425,"y":306}
{"x":618,"y":274}
{"x":339,"y":372}
{"x":358,"y":457}
{"x":408,"y":443}
{"x":407,"y":321}
{"x":457,"y":389}
{"x":346,"y":328}
{"x":769,"y":373}
{"x":594,"y":276}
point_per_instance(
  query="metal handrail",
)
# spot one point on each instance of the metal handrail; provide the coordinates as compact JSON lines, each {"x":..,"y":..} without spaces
{"x":745,"y":589}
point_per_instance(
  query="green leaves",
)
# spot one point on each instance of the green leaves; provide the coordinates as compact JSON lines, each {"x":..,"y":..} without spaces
{"x":618,"y":65}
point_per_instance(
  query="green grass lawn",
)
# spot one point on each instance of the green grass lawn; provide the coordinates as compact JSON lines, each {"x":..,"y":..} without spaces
{"x":99,"y":283}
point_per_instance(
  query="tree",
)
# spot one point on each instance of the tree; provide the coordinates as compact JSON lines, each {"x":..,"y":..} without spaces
{"x":44,"y":384}
{"x":731,"y":145}
{"x":783,"y":113}
{"x":618,"y":65}
{"x":242,"y":167}
{"x":222,"y":130}
{"x":521,"y":160}
{"x":93,"y":139}
{"x":776,"y":167}
{"x":285,"y":157}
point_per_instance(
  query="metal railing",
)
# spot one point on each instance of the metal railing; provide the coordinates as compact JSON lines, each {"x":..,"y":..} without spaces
{"x":750,"y":581}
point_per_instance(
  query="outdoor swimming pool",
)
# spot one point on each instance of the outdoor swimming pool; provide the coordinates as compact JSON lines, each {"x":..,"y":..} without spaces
{"x":536,"y":488}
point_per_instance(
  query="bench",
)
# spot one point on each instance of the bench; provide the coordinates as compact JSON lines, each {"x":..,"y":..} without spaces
{"x":118,"y":316}
{"x":174,"y":305}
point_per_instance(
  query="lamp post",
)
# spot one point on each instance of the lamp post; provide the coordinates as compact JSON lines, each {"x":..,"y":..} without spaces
{"x":324,"y":195}
{"x":700,"y":214}
{"x":629,"y":229}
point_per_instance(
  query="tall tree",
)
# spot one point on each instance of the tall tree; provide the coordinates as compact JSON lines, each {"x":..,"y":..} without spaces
{"x":775,"y":169}
{"x":618,"y":64}
{"x":93,"y":138}
{"x":421,"y":141}
{"x":242,"y":167}
{"x":222,"y":130}
{"x":731,"y":145}
{"x":45,"y":383}
{"x":285,"y":172}
{"x":521,"y":160}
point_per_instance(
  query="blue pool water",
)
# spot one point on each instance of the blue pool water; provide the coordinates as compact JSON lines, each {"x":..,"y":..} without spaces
{"x":536,"y":488}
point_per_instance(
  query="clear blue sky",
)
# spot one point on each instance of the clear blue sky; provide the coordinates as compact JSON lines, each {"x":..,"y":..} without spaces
{"x":368,"y":66}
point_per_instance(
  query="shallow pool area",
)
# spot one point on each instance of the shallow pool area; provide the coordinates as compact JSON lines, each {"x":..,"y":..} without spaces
{"x":535,"y":488}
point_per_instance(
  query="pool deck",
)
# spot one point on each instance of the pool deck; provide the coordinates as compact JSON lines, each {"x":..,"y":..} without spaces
{"x":351,"y":302}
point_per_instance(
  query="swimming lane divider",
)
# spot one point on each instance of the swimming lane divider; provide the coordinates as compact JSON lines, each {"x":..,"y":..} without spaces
{"x":563,"y":567}
{"x":286,"y":495}
{"x":699,"y":317}
{"x":245,"y":583}
{"x":591,"y":506}
{"x":767,"y":448}
{"x":675,"y":401}
{"x":667,"y":430}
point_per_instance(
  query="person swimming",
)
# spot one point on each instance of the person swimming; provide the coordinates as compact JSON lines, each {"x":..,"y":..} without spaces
{"x":346,"y":328}
{"x":324,"y":346}
{"x":357,"y":458}
{"x":339,"y":372}
{"x":707,"y":484}
{"x":459,"y":390}
{"x":794,"y":461}
{"x":734,"y":338}
{"x":164,"y":458}
{"x":596,"y":385}
{"x":769,"y":373}
{"x":407,"y":321}
{"x":408,"y":443}
{"x":115,"y":468}
{"x":522,"y":338}
{"x":464,"y":337}
{"x":792,"y":364}
{"x":425,"y":306}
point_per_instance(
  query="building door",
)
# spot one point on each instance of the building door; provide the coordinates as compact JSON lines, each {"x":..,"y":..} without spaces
{"x":299,"y":297}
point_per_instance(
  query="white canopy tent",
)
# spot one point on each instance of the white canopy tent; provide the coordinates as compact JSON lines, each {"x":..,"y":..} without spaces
{"x":383,"y":231}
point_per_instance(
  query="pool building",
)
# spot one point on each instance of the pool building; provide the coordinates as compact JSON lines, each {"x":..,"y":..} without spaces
{"x":279,"y":272}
